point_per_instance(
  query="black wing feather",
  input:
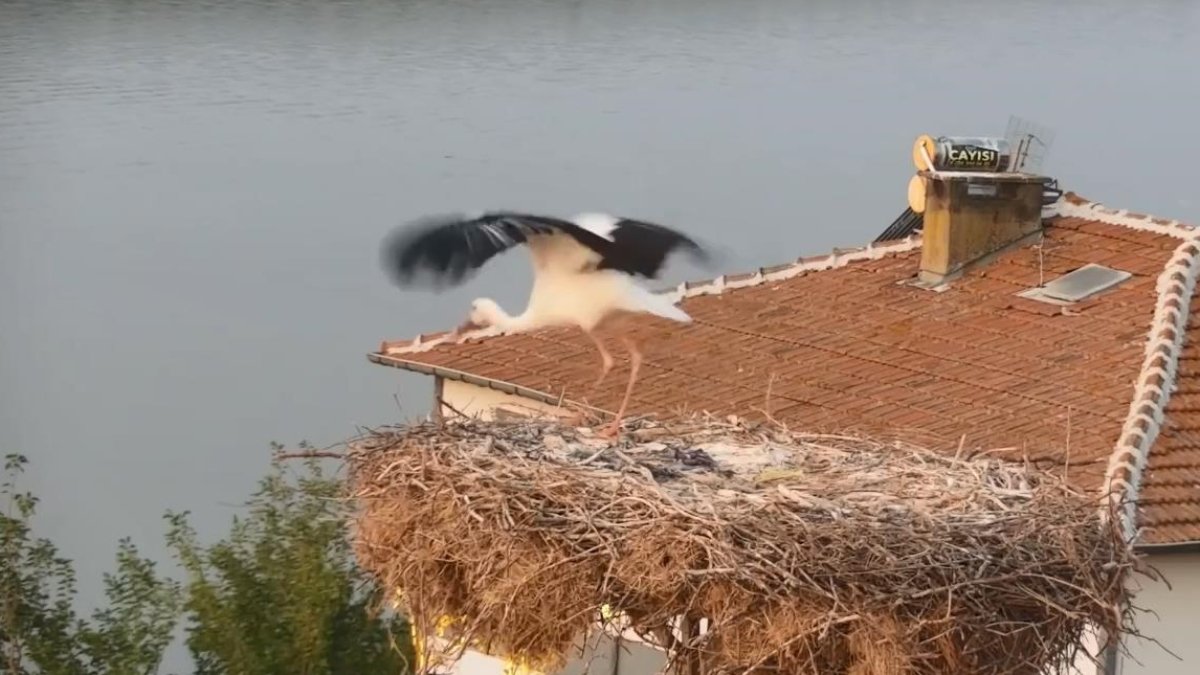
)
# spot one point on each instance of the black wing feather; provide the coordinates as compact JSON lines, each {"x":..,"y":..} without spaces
{"x":641,"y":248}
{"x":453,"y":247}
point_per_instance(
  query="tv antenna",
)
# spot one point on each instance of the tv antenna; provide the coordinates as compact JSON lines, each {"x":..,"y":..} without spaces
{"x":1030,"y":143}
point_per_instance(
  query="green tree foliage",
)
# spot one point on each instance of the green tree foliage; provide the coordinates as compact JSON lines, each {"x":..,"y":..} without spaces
{"x":281,"y":594}
{"x":39,"y":629}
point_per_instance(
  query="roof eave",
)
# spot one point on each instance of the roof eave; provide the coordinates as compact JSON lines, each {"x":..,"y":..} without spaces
{"x":463,"y":376}
{"x":1187,"y":546}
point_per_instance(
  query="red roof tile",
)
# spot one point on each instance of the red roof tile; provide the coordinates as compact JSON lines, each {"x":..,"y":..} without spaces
{"x":848,"y":345}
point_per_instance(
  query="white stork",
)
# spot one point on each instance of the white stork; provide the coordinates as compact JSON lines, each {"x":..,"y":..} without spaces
{"x":585,"y":271}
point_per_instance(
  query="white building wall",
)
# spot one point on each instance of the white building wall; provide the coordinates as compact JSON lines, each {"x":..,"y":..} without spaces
{"x":1172,"y":618}
{"x":476,"y":401}
{"x":606,"y":656}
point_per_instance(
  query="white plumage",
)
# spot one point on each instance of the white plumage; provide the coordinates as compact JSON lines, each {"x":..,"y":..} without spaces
{"x":585,"y":271}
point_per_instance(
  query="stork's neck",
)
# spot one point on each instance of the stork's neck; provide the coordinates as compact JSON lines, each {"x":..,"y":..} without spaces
{"x":511,"y":324}
{"x":515,"y":324}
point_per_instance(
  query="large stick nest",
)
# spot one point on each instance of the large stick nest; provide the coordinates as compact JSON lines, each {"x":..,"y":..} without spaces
{"x":800,"y":553}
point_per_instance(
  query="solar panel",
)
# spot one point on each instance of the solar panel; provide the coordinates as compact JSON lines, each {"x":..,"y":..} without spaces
{"x":905,"y":224}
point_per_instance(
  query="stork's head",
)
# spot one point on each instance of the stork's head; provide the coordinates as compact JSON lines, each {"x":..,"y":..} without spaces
{"x":485,"y":313}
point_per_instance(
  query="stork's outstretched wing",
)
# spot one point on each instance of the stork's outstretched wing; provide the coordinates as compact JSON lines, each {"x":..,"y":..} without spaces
{"x":639,"y":247}
{"x":453,"y":247}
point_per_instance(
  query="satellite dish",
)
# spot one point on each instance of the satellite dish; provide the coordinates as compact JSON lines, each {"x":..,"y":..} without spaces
{"x":916,"y":194}
{"x":924,"y":147}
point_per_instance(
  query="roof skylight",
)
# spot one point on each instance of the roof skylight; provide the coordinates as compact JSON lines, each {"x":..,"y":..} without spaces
{"x":1077,"y":284}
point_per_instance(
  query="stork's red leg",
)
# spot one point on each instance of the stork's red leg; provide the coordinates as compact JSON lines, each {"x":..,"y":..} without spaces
{"x":606,"y":359}
{"x":606,"y":364}
{"x":635,"y":362}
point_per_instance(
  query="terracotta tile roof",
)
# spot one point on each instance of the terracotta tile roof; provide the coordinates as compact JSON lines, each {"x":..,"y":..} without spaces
{"x":841,"y":342}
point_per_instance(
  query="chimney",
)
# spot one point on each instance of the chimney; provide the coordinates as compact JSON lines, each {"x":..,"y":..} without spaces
{"x":970,"y":214}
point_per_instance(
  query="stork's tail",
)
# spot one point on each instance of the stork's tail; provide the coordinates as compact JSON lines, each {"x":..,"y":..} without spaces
{"x":659,"y":305}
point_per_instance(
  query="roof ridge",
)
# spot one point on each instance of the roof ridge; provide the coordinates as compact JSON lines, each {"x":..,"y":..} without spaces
{"x":1071,"y":205}
{"x":838,"y":257}
{"x":1156,"y":379}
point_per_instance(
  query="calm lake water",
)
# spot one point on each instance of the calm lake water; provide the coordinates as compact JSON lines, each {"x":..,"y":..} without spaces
{"x":192,"y":193}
